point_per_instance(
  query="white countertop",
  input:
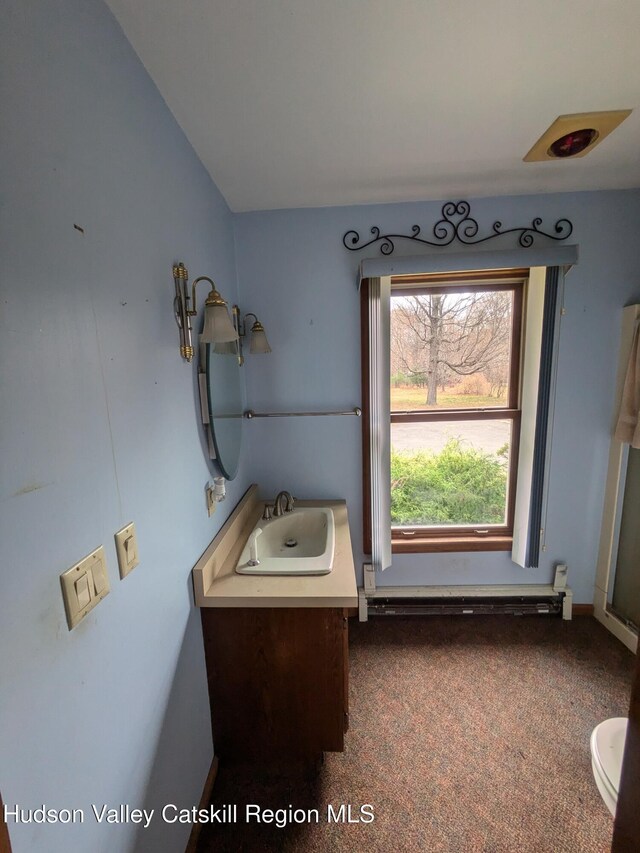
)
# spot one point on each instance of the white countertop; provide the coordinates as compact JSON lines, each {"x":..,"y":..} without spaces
{"x":217,"y":584}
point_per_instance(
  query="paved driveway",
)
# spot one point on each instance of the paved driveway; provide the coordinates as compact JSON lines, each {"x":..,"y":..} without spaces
{"x":483,"y":435}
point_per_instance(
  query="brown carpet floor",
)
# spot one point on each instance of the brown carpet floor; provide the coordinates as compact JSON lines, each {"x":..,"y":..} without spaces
{"x":467,"y":736}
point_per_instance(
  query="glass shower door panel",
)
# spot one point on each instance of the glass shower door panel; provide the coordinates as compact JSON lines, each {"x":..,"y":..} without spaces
{"x":626,"y":589}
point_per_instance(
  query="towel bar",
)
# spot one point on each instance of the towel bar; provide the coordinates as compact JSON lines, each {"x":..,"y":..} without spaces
{"x":251,"y":414}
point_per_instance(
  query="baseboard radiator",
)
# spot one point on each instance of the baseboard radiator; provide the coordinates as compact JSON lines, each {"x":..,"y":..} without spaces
{"x":515,"y":599}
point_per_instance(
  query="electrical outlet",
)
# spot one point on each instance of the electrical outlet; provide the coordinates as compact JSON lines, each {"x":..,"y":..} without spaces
{"x":127,"y":548}
{"x":211,"y":500}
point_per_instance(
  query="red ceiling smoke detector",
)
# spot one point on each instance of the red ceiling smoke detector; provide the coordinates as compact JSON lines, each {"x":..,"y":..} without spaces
{"x":575,"y":135}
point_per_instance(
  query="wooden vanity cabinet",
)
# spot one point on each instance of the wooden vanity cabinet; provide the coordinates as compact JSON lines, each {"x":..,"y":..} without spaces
{"x":278,"y":682}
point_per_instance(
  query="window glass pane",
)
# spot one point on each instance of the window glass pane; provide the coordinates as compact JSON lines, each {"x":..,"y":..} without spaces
{"x":450,"y":473}
{"x":450,"y":350}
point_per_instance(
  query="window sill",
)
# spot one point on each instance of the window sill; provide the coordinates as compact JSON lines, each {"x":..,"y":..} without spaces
{"x":452,"y":543}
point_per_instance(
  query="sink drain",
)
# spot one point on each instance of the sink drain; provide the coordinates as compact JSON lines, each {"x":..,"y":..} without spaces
{"x":290,"y":543}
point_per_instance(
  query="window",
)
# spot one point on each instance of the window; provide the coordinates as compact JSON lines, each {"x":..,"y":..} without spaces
{"x":455,"y":364}
{"x":455,"y":416}
{"x":525,"y":405}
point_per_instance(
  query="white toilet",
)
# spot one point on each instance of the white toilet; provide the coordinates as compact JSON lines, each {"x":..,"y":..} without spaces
{"x":607,"y":747}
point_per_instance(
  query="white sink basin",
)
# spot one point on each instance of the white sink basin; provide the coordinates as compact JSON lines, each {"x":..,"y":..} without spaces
{"x":301,"y":542}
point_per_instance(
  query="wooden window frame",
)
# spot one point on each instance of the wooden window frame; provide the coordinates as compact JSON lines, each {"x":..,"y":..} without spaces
{"x":460,"y":538}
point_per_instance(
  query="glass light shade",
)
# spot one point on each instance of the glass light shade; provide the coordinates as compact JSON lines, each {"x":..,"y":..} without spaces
{"x":218,"y":327}
{"x":226,"y":348}
{"x":259,"y":342}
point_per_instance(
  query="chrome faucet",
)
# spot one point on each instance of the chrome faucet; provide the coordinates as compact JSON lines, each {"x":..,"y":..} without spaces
{"x":278,"y":509}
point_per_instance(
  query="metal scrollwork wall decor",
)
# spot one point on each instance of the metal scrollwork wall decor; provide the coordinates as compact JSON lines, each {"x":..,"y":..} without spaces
{"x":458,"y":224}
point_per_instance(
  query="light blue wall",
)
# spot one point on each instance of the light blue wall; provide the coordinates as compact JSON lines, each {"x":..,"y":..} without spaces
{"x":300,"y":280}
{"x":98,"y":428}
{"x":98,"y":414}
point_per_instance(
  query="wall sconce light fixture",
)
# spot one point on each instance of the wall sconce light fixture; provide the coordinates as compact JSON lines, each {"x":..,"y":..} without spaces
{"x":258,"y":343}
{"x":219,"y":329}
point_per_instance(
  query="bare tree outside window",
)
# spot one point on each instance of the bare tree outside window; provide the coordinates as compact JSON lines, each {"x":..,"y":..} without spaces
{"x":454,"y":352}
{"x":438,"y":340}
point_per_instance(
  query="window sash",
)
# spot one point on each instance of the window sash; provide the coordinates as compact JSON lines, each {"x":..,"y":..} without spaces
{"x":515,"y":284}
{"x":426,"y":285}
{"x":469,"y":414}
{"x":399,"y":533}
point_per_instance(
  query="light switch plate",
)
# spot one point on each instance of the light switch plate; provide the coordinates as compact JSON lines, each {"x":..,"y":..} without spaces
{"x":127,"y":549}
{"x":84,"y":585}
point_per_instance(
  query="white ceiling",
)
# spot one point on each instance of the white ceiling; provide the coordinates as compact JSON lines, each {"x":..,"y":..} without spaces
{"x":299,"y":103}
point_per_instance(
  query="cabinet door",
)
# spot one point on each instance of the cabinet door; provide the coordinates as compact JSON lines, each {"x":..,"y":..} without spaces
{"x":276,"y":681}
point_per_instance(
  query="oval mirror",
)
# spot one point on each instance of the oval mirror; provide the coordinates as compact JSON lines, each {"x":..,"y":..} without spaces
{"x":225,"y":401}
